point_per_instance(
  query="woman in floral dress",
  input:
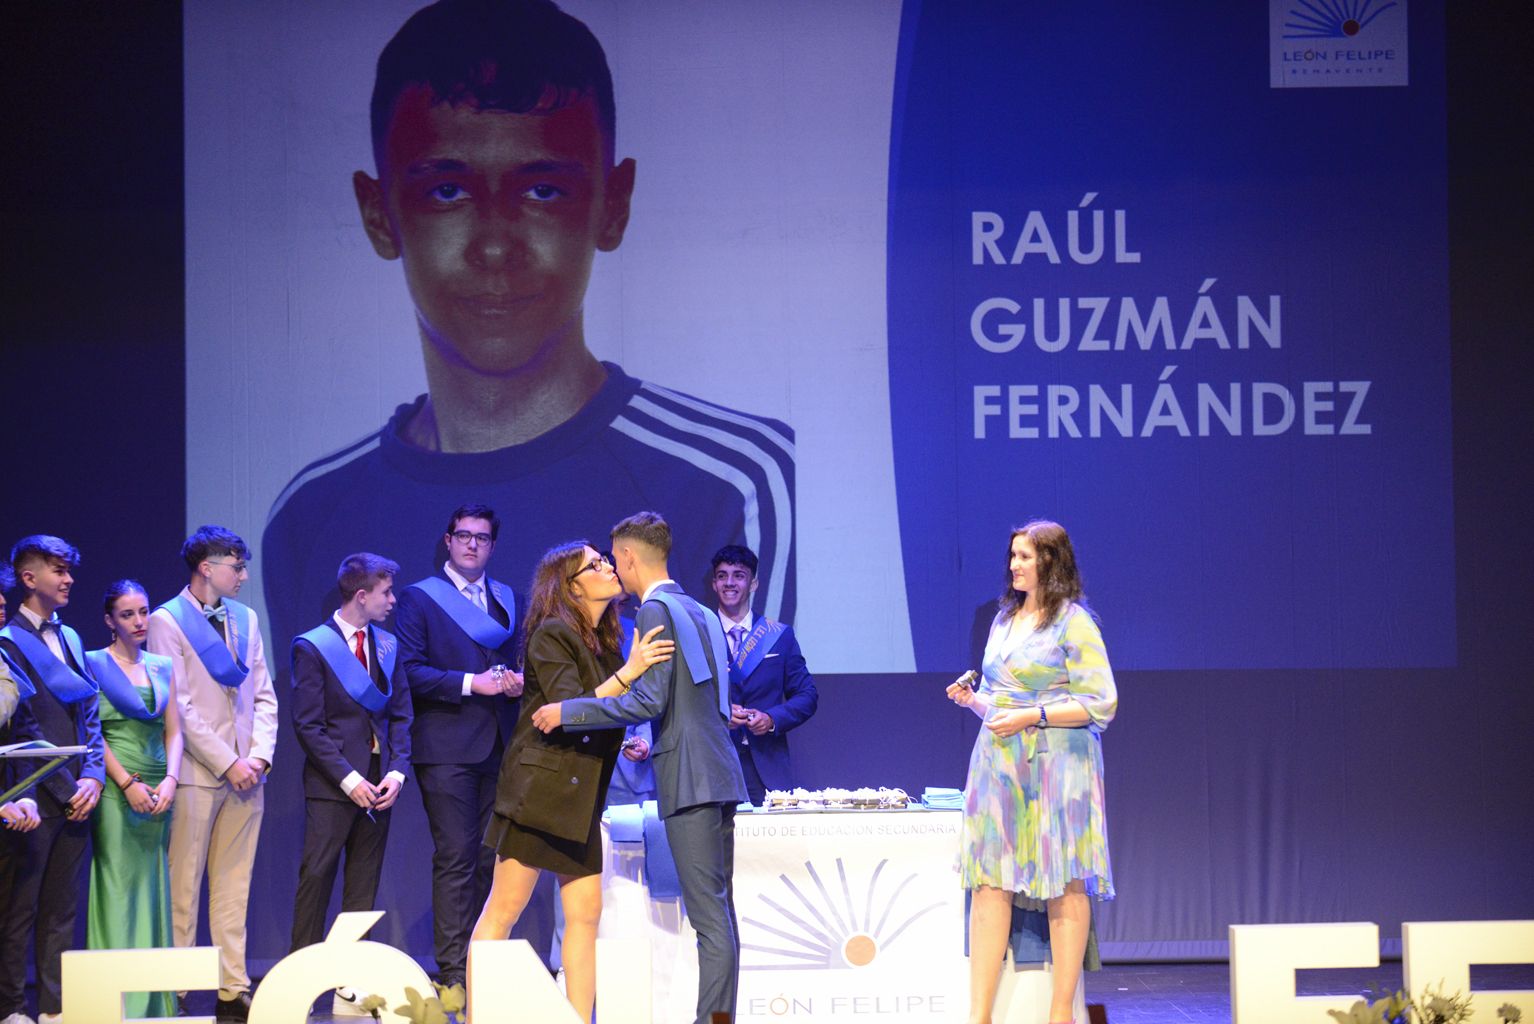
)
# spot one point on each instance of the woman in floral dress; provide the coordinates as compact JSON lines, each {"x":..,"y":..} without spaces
{"x":1034,"y":832}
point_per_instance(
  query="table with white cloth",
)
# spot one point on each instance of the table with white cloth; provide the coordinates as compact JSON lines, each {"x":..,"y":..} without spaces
{"x":843,"y":915}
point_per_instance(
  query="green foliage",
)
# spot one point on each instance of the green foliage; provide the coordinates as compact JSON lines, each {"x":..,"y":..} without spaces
{"x":1431,"y":1007}
{"x":445,"y":1006}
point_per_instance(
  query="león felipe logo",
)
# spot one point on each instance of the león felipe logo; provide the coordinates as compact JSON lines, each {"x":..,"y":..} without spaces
{"x":1332,"y":19}
{"x":807,"y":924}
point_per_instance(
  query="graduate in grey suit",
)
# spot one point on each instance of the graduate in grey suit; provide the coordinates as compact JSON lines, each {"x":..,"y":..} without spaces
{"x":696,"y":770}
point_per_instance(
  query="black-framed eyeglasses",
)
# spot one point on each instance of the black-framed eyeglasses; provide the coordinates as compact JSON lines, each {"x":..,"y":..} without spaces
{"x":238,"y":567}
{"x":591,"y":566}
{"x":465,"y":537}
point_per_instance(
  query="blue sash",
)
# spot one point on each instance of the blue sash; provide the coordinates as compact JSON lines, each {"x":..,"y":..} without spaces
{"x":479,"y":626}
{"x":24,"y":684}
{"x":756,"y":646}
{"x":343,"y":662}
{"x":119,"y":689}
{"x":691,"y":645}
{"x":227,"y":668}
{"x":61,"y":680}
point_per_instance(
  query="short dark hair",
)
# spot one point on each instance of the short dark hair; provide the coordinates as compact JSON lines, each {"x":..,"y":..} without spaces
{"x":212,"y":540}
{"x":363,"y":571}
{"x":119,"y":590}
{"x":7,"y":577}
{"x":735,"y":554}
{"x":475,"y":511}
{"x":646,"y":527}
{"x":43,"y":546}
{"x":519,"y":56}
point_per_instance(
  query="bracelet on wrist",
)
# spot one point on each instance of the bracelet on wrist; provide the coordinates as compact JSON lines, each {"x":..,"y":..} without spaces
{"x":135,"y":777}
{"x":1043,"y":717}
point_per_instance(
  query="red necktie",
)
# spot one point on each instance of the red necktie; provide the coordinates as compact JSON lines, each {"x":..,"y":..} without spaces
{"x":361,"y":651}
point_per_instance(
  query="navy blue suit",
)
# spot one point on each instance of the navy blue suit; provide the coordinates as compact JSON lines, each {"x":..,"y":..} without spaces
{"x":48,"y":863}
{"x":781,"y":687}
{"x":699,"y":784}
{"x":456,"y":747}
{"x":337,"y":735}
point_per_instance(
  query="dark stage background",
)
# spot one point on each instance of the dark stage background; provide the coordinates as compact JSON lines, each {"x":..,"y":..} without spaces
{"x":1235,"y":796}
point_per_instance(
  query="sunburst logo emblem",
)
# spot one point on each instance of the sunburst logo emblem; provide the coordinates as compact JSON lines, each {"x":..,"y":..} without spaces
{"x":809,"y":925}
{"x":1332,"y":19}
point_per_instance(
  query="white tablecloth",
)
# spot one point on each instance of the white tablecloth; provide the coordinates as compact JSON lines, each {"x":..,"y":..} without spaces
{"x":843,"y":915}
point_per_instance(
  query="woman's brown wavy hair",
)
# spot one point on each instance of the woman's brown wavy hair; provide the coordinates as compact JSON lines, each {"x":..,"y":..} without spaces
{"x":1059,"y":580}
{"x":552,"y":598}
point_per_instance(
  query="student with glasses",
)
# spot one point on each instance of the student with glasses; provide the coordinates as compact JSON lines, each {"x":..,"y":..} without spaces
{"x":552,"y":789}
{"x":228,"y":710}
{"x":460,"y":646}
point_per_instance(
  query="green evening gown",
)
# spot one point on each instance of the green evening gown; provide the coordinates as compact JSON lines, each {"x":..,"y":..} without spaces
{"x":129,"y":905}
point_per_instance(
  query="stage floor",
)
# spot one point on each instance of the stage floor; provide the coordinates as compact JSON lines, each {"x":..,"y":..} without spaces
{"x":1167,"y":993}
{"x":1174,"y":993}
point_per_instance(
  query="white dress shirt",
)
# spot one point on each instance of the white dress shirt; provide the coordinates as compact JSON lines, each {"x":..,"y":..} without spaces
{"x":479,"y":601}
{"x":348,"y":633}
{"x":651,"y":589}
{"x":50,"y":636}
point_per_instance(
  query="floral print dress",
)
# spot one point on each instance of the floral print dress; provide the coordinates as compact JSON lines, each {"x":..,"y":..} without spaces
{"x":1033,"y":803}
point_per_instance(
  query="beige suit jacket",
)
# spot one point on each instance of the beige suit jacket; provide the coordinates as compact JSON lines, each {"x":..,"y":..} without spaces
{"x":220,"y":722}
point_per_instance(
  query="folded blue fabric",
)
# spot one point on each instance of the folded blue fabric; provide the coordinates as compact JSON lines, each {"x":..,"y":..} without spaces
{"x":659,"y":866}
{"x":625,"y":823}
{"x":942,"y":799}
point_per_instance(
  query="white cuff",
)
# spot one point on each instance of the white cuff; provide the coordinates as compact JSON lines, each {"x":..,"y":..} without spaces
{"x":468,"y":683}
{"x":352,"y":780}
{"x":398,"y":776}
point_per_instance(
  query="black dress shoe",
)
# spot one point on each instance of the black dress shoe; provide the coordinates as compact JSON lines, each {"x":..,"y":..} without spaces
{"x":236,"y":1009}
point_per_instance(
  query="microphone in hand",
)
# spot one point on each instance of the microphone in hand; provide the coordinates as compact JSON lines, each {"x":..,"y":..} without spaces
{"x":962,"y":690}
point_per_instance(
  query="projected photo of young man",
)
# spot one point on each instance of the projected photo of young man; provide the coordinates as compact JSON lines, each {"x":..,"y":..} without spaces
{"x":498,"y":182}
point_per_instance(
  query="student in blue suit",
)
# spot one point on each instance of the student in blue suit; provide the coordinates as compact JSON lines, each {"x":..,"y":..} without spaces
{"x":771,"y":691}
{"x":352,"y":714}
{"x":460,"y":644}
{"x":696,"y":772}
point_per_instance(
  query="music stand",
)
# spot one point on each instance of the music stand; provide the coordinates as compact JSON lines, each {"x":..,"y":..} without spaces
{"x":56,"y":758}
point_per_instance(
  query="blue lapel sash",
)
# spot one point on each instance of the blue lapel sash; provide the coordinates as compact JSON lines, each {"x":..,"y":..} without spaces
{"x":479,"y":626}
{"x":62,"y":681}
{"x":691,"y":645}
{"x":228,"y":668}
{"x":24,"y":684}
{"x":354,"y":678}
{"x":756,"y":646}
{"x":119,"y":689}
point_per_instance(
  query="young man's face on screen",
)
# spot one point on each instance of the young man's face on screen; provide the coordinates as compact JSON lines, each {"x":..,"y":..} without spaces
{"x":497,"y":217}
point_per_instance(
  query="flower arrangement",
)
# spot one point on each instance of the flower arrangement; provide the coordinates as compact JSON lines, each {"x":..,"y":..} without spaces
{"x":445,"y":1006}
{"x":1432,"y":1007}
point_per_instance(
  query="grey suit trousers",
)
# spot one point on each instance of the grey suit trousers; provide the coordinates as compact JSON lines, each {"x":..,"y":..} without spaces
{"x":702,"y":840}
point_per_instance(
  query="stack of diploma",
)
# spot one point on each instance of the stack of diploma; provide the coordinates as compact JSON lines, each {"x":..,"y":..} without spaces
{"x":865,"y":799}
